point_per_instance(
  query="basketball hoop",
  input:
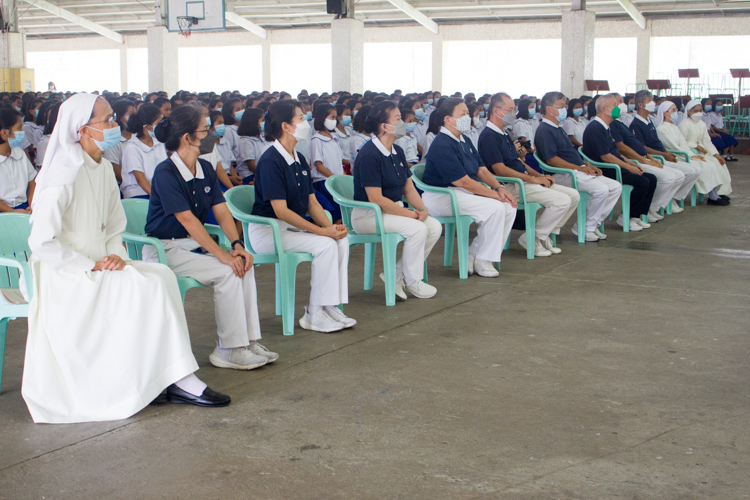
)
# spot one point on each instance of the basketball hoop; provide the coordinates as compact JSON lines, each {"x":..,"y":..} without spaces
{"x":185,"y":22}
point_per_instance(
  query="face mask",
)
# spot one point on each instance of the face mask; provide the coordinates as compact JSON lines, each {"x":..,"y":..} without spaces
{"x":532,"y":112}
{"x":333,"y":103}
{"x":262,"y":126}
{"x":475,"y":121}
{"x":399,"y":130}
{"x":486,"y":107}
{"x":329,"y":124}
{"x":577,"y":112}
{"x":682,"y":108}
{"x":707,"y":107}
{"x":697,"y":116}
{"x":562,"y":114}
{"x":207,"y":144}
{"x":430,"y":101}
{"x":308,"y":116}
{"x":623,"y":108}
{"x":17,"y":108}
{"x":425,"y":106}
{"x":301,"y":132}
{"x":508,"y":119}
{"x":152,"y":134}
{"x":36,"y":112}
{"x":481,"y":114}
{"x":238,"y":114}
{"x":410,"y":127}
{"x":463,"y":124}
{"x":631,"y":107}
{"x":616,"y":112}
{"x":673,"y":117}
{"x":354,"y":113}
{"x":346,"y":120}
{"x":208,"y":121}
{"x":420,"y":114}
{"x":650,"y":107}
{"x":16,"y":141}
{"x":218,"y":109}
{"x":111,"y":138}
{"x":219,"y":130}
{"x":718,"y":109}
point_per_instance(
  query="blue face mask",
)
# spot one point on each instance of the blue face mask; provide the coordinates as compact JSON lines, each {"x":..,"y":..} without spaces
{"x":208,"y":121}
{"x":333,"y":103}
{"x":219,"y":130}
{"x":111,"y":138}
{"x":481,"y":114}
{"x":430,"y":101}
{"x":673,"y":117}
{"x":152,"y":134}
{"x":410,"y":127}
{"x":420,"y":114}
{"x":346,"y":120}
{"x":486,"y":107}
{"x":308,"y":116}
{"x":631,"y":107}
{"x":238,"y":114}
{"x":262,"y":126}
{"x":707,"y":107}
{"x":562,"y":114}
{"x":532,"y":112}
{"x":576,"y":112}
{"x":354,"y":113}
{"x":719,"y":108}
{"x":425,"y":106}
{"x":35,"y":113}
{"x":16,"y":141}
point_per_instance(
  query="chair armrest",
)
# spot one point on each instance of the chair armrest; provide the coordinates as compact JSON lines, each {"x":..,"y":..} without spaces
{"x":599,"y":164}
{"x":658,"y":157}
{"x":347,"y":202}
{"x":555,"y":170}
{"x":256,"y":219}
{"x":25,"y":270}
{"x":215,"y":230}
{"x":434,"y":189}
{"x":147,"y":240}
{"x":514,"y":180}
{"x":681,"y":153}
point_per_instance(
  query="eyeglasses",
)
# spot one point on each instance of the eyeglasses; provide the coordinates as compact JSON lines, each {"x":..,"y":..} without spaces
{"x":111,"y":119}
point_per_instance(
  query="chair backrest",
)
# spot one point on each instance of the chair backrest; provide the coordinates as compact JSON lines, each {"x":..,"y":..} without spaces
{"x":342,"y":187}
{"x":136,"y":211}
{"x":15,"y":229}
{"x":418,"y":171}
{"x":241,"y":198}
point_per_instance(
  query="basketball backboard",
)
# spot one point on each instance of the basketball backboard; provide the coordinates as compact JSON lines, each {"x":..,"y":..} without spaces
{"x":209,"y":13}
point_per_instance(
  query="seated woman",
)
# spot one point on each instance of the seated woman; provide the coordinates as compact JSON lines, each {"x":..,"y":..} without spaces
{"x":327,"y":159}
{"x":453,"y":162}
{"x":284,"y":191}
{"x":524,"y":128}
{"x":358,"y":136}
{"x":222,"y":148}
{"x":251,"y":145}
{"x":382,"y":176}
{"x":185,"y":188}
{"x":123,"y":110}
{"x":408,"y":143}
{"x":721,"y":138}
{"x":342,"y":133}
{"x":142,"y":153}
{"x":106,"y":335}
{"x":16,"y":172}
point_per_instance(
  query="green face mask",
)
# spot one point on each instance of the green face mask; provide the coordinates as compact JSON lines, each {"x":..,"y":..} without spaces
{"x":616,"y":113}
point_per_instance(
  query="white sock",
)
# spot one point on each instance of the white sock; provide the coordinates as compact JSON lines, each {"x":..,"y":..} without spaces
{"x":713,"y":195}
{"x":313,"y":309}
{"x":191,"y":384}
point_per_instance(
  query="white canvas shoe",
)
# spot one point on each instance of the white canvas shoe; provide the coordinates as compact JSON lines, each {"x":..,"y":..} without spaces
{"x":485,"y":269}
{"x":590,"y":236}
{"x":676,"y":208}
{"x":421,"y":290}
{"x":319,"y":322}
{"x":237,"y":358}
{"x":600,"y":234}
{"x":550,"y":246}
{"x":644,"y":225}
{"x":260,"y":350}
{"x":399,"y":285}
{"x":338,"y":315}
{"x":472,"y":257}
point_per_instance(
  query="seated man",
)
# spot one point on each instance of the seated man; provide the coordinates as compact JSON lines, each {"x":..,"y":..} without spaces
{"x":498,"y":152}
{"x":600,"y":146}
{"x":555,"y":149}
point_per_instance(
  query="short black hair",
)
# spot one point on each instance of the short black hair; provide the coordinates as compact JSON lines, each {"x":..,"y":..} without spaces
{"x":249,"y":124}
{"x":8,"y":119}
{"x":320,"y":114}
{"x":279,"y":113}
{"x":227,"y":111}
{"x":358,"y":123}
{"x":120,"y":107}
{"x":184,"y":120}
{"x":146,"y":115}
{"x":52,"y":118}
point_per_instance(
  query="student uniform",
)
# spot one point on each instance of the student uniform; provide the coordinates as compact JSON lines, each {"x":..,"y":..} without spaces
{"x":279,"y":176}
{"x":250,"y":148}
{"x":420,"y":132}
{"x":16,"y":172}
{"x":114,"y":154}
{"x":343,"y":139}
{"x":450,"y":159}
{"x":526,"y":127}
{"x":327,"y":151}
{"x":389,"y":170}
{"x":627,"y":118}
{"x":409,"y":144}
{"x":559,"y":202}
{"x":574,"y":127}
{"x":551,"y":140}
{"x":33,"y":132}
{"x":233,"y":139}
{"x":598,"y":141}
{"x":174,"y":190}
{"x":723,"y":140}
{"x":356,"y":142}
{"x":138,"y":157}
{"x":41,"y":150}
{"x":426,"y":143}
{"x":225,"y":152}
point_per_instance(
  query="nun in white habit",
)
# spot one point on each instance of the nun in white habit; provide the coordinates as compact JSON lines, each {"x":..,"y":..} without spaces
{"x":106,"y":335}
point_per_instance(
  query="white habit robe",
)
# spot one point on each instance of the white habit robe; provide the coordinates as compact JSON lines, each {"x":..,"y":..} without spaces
{"x":101,"y":345}
{"x":696,"y":134}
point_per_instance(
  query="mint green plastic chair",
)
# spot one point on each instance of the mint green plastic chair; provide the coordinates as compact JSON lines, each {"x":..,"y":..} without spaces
{"x":136,"y":211}
{"x":626,"y":190}
{"x":240,"y":200}
{"x":529,"y":211}
{"x":581,"y":211}
{"x":456,"y":224}
{"x":14,"y":255}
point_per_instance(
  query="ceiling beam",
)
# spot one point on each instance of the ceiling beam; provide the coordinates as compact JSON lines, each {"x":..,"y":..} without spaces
{"x":244,"y":23}
{"x":633,"y":11}
{"x":410,"y":11}
{"x":74,"y":18}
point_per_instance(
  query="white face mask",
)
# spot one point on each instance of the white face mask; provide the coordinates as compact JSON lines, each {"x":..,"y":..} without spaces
{"x":302,"y":131}
{"x":330,"y":124}
{"x":463,"y":124}
{"x":623,"y":108}
{"x":697,"y":116}
{"x":650,"y":107}
{"x":476,"y":121}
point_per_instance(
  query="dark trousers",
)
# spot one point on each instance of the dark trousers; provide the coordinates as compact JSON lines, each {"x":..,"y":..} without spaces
{"x":643,"y":190}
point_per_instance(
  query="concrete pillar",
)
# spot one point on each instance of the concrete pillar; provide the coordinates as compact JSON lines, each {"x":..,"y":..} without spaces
{"x":437,"y":62}
{"x":163,"y":69}
{"x":12,"y":53}
{"x":266,"y":63}
{"x":348,"y":54}
{"x":643,"y":55}
{"x":577,"y":51}
{"x":124,"y":67}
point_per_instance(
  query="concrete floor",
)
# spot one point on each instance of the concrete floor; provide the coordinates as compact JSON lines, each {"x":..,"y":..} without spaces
{"x":617,"y":369}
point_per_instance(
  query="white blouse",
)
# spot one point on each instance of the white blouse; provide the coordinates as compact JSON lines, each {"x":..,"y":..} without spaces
{"x":250,"y":148}
{"x":524,"y":128}
{"x":575,"y":128}
{"x":356,"y":142}
{"x":327,"y":151}
{"x":409,"y":144}
{"x":343,"y":139}
{"x":16,"y":172}
{"x":138,"y":157}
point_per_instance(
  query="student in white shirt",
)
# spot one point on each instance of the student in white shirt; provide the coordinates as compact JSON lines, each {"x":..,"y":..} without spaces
{"x":32,"y":131}
{"x":421,"y":130}
{"x":358,"y":137}
{"x":142,"y":153}
{"x":251,"y":146}
{"x":476,"y":123}
{"x":574,"y":125}
{"x":123,"y":109}
{"x":342,"y":134}
{"x":326,"y":157}
{"x":720,"y":137}
{"x":524,"y":128}
{"x":408,"y":142}
{"x":232,"y":112}
{"x":49,"y":115}
{"x":17,"y":174}
{"x":222,"y":148}
{"x":432,"y":130}
{"x":354,"y":107}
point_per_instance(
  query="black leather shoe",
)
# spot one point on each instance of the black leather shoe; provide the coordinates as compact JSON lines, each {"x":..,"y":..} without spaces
{"x":725,"y":197}
{"x":209,"y":398}
{"x":718,"y":203}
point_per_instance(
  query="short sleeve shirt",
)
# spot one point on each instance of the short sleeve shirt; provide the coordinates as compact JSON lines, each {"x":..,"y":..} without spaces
{"x":623,"y":134}
{"x":450,"y":159}
{"x":16,"y":172}
{"x":373,"y":168}
{"x":551,"y":141}
{"x":495,"y":147}
{"x":279,"y":176}
{"x":646,"y":134}
{"x":598,"y":141}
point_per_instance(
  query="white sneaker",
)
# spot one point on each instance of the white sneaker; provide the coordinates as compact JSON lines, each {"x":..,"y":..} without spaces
{"x":485,"y":269}
{"x":676,"y":208}
{"x":421,"y":290}
{"x":260,"y":350}
{"x":634,"y":226}
{"x":654,"y":216}
{"x":471,"y":263}
{"x":644,"y":225}
{"x":599,"y":234}
{"x":550,"y":246}
{"x":320,"y":322}
{"x":539,"y":249}
{"x":338,"y":315}
{"x":590,"y":237}
{"x":399,"y":285}
{"x":239,"y":358}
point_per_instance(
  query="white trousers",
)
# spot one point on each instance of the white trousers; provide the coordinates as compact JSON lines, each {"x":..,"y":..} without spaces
{"x":691,"y":172}
{"x":235,"y":299}
{"x":330,"y":266}
{"x":420,"y":238}
{"x":668,"y":181}
{"x":495,"y":220}
{"x":603,"y":195}
{"x":559,"y":203}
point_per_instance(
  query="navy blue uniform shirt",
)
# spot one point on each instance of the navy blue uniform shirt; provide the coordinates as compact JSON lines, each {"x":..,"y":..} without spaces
{"x":495,"y":147}
{"x":623,"y":134}
{"x":646,"y":134}
{"x":279,"y":176}
{"x":598,"y":141}
{"x":372,"y":168}
{"x":175,"y":190}
{"x":552,"y":141}
{"x":449,"y":160}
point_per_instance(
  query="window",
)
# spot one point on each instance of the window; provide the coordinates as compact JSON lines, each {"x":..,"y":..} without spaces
{"x":298,"y":66}
{"x":406,"y":66}
{"x":78,"y":71}
{"x":216,"y":69}
{"x":615,"y":61}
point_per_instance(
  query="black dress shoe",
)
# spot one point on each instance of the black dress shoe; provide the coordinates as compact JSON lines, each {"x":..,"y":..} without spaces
{"x":718,"y":203}
{"x":731,"y":158}
{"x":209,"y":398}
{"x":725,"y":197}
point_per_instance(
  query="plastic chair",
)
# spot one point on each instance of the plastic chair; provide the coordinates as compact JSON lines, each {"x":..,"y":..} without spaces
{"x":529,"y":211}
{"x":626,"y":190}
{"x":240,"y":200}
{"x":341,"y":188}
{"x":136,"y":211}
{"x":14,"y":255}
{"x":454,"y":225}
{"x":581,"y":211}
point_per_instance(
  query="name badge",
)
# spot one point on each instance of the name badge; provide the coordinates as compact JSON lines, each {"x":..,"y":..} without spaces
{"x":207,"y":189}
{"x":304,"y":172}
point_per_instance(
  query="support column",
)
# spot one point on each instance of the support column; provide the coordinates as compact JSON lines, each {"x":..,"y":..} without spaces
{"x":437,"y":62}
{"x":124,"y":67}
{"x":578,"y":51}
{"x":643,"y":54}
{"x":348,"y":51}
{"x":266,"y":63}
{"x":163,"y":69}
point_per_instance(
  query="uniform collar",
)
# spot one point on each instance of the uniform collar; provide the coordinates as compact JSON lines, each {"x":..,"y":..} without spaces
{"x":184,"y":171}
{"x":322,"y":137}
{"x":494,"y":127}
{"x":447,"y":132}
{"x":15,"y":153}
{"x":381,"y":147}
{"x":285,"y":153}
{"x":639,"y":117}
{"x":596,"y":118}
{"x":142,"y":146}
{"x":549,"y":122}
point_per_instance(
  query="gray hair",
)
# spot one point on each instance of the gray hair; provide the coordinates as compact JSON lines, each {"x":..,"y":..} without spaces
{"x":641,"y":96}
{"x":497,"y":101}
{"x":549,"y":99}
{"x":603,"y":102}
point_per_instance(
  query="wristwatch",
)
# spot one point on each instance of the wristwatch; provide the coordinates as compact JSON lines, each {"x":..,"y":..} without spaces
{"x":235,"y":242}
